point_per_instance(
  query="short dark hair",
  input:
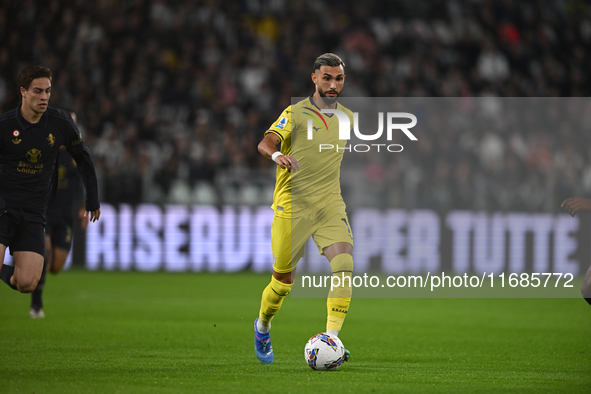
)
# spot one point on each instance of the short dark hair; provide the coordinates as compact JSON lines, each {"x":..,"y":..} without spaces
{"x":328,"y":59}
{"x":29,"y":73}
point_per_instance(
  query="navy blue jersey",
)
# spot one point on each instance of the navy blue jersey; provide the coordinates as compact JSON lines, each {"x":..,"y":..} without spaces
{"x":28,"y":154}
{"x":69,"y":187}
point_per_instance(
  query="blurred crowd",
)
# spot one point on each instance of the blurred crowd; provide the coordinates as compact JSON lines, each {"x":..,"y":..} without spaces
{"x":174,"y":96}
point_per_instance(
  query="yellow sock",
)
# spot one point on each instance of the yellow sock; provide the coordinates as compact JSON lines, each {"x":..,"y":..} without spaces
{"x":339,"y":297}
{"x":272,"y":299}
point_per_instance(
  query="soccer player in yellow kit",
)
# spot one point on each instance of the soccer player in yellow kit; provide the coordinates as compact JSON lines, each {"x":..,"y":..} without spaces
{"x":307,"y":200}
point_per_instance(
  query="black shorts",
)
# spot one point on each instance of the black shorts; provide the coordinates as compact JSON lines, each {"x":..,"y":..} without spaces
{"x":22,"y":233}
{"x":59,"y":229}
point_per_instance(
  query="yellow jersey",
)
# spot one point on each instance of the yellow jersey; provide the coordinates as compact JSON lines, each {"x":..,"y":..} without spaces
{"x":317,"y":182}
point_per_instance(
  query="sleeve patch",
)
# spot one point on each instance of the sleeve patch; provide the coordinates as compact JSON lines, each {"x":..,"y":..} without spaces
{"x":281,"y":124}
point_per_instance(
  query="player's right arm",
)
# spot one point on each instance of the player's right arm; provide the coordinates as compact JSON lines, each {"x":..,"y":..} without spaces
{"x":268,"y":147}
{"x":279,"y":133}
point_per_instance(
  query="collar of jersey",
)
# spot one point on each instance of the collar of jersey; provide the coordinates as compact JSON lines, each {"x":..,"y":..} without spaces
{"x":314,"y":104}
{"x":26,"y":124}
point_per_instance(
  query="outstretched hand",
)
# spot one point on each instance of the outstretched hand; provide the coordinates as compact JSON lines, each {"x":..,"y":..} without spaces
{"x":288,"y":162}
{"x":576,"y":204}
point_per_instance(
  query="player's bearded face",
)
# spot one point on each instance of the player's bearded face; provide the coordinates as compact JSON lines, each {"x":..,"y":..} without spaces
{"x":329,"y":83}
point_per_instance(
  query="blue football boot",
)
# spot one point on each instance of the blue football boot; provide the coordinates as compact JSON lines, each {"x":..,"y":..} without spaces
{"x":262,"y":346}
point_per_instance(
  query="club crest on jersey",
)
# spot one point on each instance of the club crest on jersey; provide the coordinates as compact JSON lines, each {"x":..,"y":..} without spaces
{"x":50,"y":139}
{"x":33,"y":155}
{"x":16,"y":133}
{"x":282,"y":123}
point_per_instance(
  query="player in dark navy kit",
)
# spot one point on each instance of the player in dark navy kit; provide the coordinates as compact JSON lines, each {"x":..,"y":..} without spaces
{"x":30,"y":137}
{"x":60,"y":222}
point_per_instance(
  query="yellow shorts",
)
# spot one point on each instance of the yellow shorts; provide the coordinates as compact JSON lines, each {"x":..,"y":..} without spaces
{"x":289,"y":236}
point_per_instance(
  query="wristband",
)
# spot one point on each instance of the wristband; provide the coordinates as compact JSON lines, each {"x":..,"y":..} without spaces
{"x":276,"y":155}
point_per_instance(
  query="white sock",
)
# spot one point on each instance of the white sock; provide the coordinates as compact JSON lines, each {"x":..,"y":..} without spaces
{"x":262,"y":328}
{"x":333,"y":333}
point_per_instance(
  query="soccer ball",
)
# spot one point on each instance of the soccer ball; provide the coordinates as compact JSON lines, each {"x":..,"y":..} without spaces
{"x":324,"y":352}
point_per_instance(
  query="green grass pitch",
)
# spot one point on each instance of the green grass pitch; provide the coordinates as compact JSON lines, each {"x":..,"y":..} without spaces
{"x":113,"y":332}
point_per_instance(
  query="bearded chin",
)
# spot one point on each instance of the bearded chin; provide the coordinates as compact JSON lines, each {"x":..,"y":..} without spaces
{"x":328,"y":100}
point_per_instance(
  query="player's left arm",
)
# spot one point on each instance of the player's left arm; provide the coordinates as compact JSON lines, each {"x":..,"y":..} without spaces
{"x":75,"y":182}
{"x":576,"y":204}
{"x":82,"y":211}
{"x":2,"y":202}
{"x":81,"y":154}
{"x":87,"y":172}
